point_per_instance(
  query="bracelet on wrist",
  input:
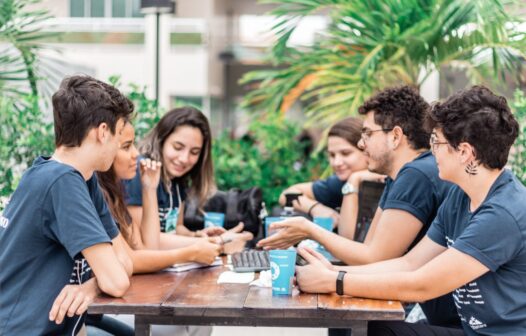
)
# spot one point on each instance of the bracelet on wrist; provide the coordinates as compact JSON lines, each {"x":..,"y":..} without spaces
{"x":312,"y":207}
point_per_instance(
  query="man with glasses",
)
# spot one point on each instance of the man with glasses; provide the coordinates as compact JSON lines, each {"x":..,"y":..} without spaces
{"x":397,"y":145}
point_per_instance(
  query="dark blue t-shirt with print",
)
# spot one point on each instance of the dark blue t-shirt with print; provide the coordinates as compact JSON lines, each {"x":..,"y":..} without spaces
{"x":329,"y":191}
{"x":166,"y":201}
{"x":51,"y":217}
{"x":419,"y":191}
{"x":495,"y":235}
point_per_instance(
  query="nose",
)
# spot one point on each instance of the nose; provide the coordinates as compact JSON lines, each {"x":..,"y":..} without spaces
{"x":135,"y":153}
{"x":184,"y":156}
{"x":337,"y":160}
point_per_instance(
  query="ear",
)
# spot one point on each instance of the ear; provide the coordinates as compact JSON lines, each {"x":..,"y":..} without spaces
{"x":103,"y":133}
{"x":467,"y":152}
{"x":398,"y":134}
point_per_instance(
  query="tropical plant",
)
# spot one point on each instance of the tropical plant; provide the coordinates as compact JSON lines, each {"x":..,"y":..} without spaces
{"x":371,"y":44}
{"x":518,"y":155}
{"x":21,"y":30}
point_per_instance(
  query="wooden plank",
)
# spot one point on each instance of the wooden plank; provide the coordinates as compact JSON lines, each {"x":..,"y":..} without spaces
{"x":145,"y":295}
{"x":346,"y":307}
{"x":199,"y":292}
{"x":254,"y":321}
{"x":261,"y":304}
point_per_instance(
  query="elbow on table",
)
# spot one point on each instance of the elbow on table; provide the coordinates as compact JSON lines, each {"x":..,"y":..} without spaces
{"x":115,"y":287}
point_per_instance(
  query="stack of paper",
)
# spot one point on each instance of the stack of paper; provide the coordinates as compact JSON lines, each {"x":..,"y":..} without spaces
{"x":183,"y":267}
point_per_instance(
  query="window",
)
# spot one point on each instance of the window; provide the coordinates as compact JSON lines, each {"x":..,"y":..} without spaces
{"x":105,"y":8}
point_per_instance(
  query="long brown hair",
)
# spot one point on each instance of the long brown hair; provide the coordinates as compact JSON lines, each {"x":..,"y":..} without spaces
{"x":349,"y":129}
{"x":200,"y":179}
{"x":113,"y":192}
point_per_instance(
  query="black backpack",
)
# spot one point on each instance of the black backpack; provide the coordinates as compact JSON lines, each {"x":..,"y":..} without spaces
{"x":237,"y":205}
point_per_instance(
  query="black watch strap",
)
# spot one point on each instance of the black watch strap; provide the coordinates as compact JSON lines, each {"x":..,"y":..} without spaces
{"x":339,"y":282}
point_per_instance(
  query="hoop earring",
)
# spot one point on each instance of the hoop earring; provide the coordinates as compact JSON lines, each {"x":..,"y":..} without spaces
{"x":471,"y":168}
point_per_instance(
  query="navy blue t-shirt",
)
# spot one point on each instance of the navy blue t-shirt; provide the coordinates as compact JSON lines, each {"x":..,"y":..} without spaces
{"x":133,"y":196}
{"x":329,"y":191}
{"x":51,"y":217}
{"x":495,"y":235}
{"x":419,"y":191}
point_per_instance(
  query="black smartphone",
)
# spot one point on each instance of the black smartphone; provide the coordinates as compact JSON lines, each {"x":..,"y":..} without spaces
{"x":300,"y":261}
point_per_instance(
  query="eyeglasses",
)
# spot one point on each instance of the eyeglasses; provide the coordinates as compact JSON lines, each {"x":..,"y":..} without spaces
{"x":367,"y":133}
{"x":434,"y":143}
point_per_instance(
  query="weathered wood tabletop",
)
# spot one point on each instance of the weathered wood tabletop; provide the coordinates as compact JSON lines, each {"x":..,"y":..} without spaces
{"x":195,"y":298}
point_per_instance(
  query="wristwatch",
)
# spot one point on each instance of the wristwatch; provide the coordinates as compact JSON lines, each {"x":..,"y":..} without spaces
{"x":348,"y":189}
{"x":339,"y":282}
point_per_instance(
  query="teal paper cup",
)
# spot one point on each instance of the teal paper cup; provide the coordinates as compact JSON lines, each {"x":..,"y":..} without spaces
{"x":324,"y":222}
{"x":270,"y":220}
{"x":214,"y":219}
{"x":282,"y":266}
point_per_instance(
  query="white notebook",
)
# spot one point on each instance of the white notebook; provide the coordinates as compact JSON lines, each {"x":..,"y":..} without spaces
{"x":183,"y":267}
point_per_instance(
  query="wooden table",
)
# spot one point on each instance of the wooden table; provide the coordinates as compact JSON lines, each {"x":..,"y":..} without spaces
{"x":195,"y":298}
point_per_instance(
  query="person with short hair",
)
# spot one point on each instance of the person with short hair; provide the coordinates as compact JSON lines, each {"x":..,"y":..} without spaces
{"x":396,"y":144}
{"x":56,"y":230}
{"x":475,"y":246}
{"x":324,"y":197}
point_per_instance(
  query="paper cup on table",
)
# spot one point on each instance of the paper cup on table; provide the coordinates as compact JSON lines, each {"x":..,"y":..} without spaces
{"x":270,"y":220}
{"x":282,"y":266}
{"x":214,"y":219}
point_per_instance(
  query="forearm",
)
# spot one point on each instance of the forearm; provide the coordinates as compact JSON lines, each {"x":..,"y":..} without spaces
{"x":402,"y":286}
{"x":150,"y":226}
{"x":148,"y":261}
{"x":346,"y":250}
{"x":182,"y":230}
{"x":387,"y":266}
{"x":93,"y":287}
{"x":348,"y":216}
{"x":170,"y":241}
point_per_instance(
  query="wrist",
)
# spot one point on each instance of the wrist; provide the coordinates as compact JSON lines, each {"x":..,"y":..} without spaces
{"x":331,"y":282}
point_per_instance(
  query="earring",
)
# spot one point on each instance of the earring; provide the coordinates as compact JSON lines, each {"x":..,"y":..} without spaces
{"x":471,"y":168}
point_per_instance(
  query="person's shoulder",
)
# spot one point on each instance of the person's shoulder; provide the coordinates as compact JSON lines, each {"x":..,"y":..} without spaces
{"x":509,"y":196}
{"x":424,"y":163}
{"x":47,"y":172}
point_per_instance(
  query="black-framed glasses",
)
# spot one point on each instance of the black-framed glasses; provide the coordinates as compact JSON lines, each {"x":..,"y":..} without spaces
{"x":434,"y":143}
{"x":366,"y":133}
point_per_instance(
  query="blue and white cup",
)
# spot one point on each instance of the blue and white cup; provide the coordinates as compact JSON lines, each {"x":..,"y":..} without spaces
{"x":282,"y":267}
{"x":327,"y":224}
{"x":324,"y":222}
{"x":270,"y":220}
{"x":214,"y":219}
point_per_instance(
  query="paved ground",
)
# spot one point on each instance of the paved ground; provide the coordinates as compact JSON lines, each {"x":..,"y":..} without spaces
{"x":260,"y":331}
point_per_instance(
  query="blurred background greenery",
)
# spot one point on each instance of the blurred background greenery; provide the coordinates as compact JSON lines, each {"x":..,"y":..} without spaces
{"x":368,"y":45}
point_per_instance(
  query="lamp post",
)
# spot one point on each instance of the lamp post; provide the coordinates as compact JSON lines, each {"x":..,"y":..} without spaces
{"x":157,"y":7}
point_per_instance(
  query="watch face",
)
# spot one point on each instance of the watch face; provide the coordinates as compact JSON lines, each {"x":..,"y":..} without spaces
{"x":348,"y":189}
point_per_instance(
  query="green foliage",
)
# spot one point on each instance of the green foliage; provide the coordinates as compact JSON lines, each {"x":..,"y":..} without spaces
{"x":20,"y":28}
{"x":372,"y":44}
{"x":25,"y":135}
{"x":270,"y":157}
{"x":146,"y":112}
{"x":518,"y":155}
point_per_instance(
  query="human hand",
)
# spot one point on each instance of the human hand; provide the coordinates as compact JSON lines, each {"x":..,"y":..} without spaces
{"x":235,"y":239}
{"x":73,"y":300}
{"x":290,"y":231}
{"x":205,"y":251}
{"x":358,"y":177}
{"x":318,"y":276}
{"x":210,"y":231}
{"x":150,"y":173}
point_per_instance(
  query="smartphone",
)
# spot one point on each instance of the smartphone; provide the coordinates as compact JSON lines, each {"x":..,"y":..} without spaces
{"x":300,"y":261}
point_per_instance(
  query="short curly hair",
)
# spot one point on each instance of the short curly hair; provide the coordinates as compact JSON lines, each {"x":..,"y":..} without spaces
{"x":482,"y":119}
{"x":404,"y":107}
